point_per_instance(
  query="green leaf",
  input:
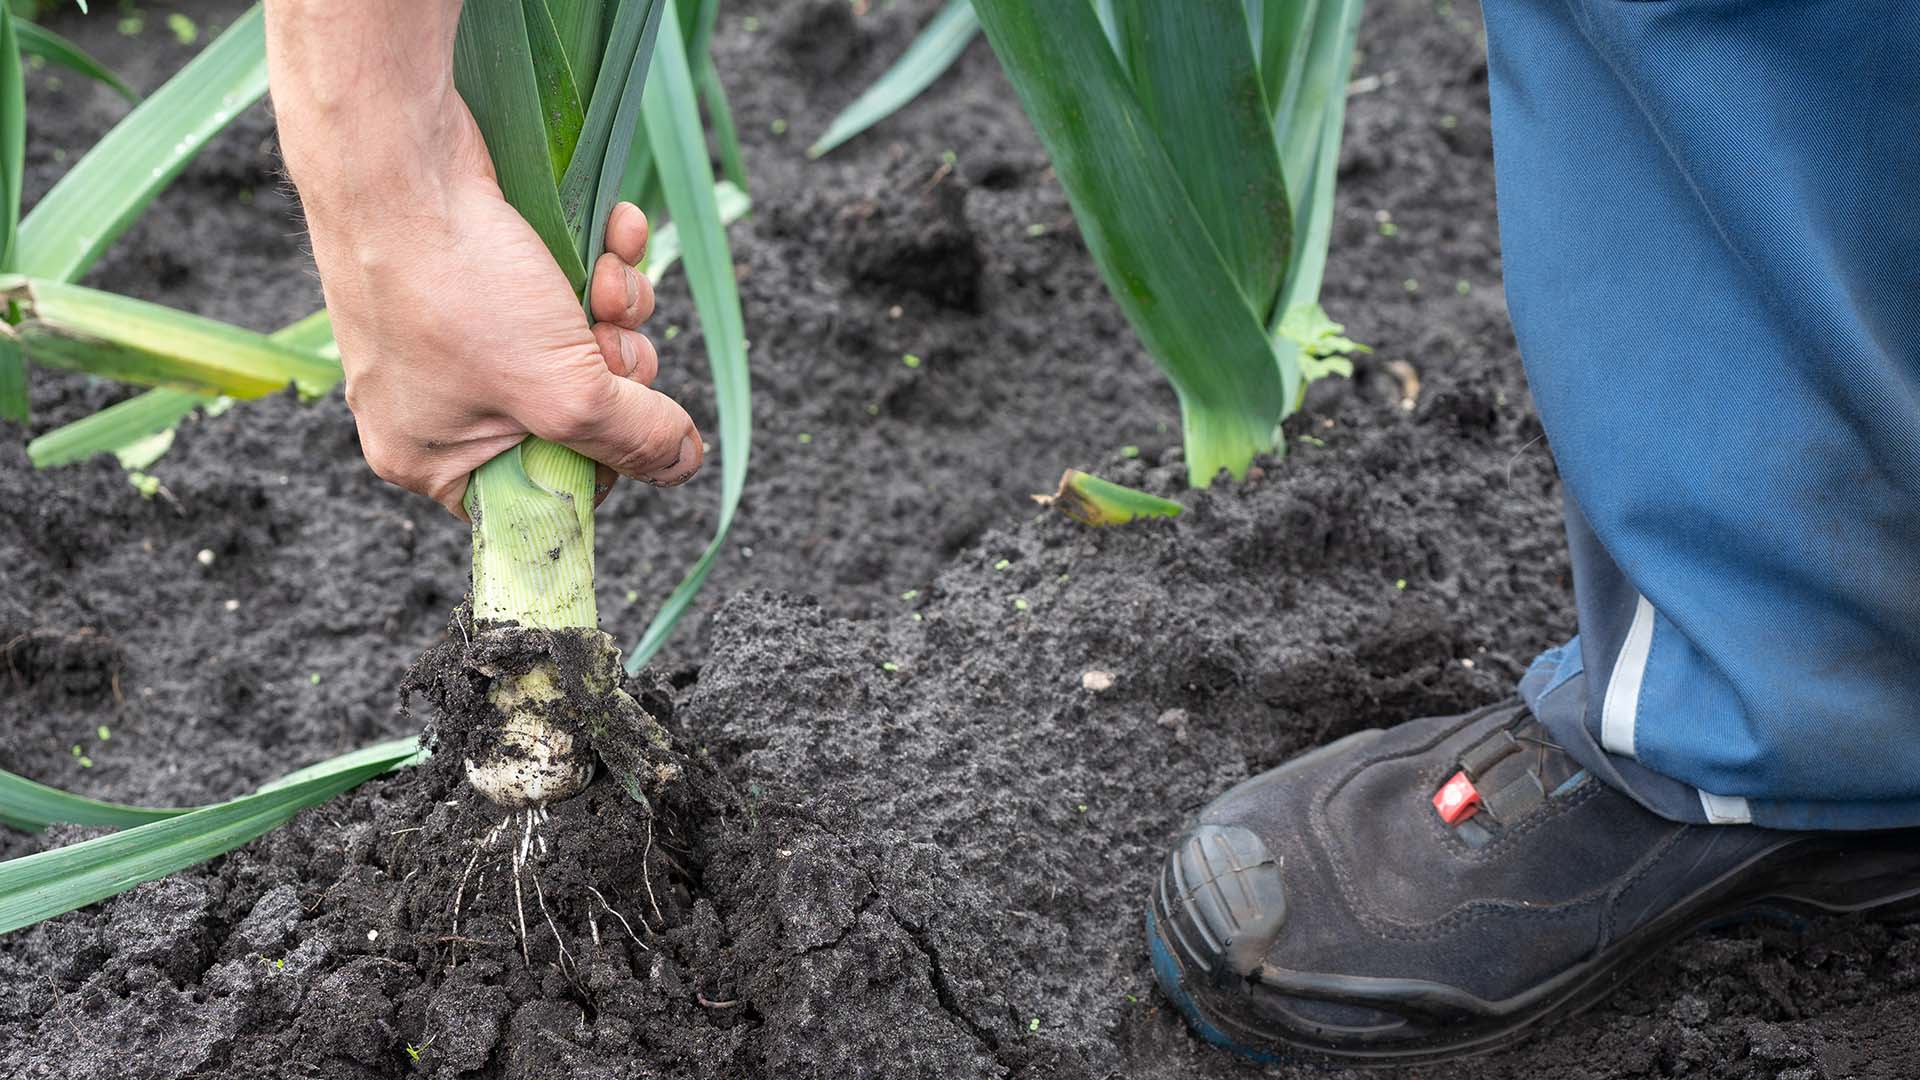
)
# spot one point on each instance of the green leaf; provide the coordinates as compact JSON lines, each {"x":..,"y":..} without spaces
{"x":930,"y":55}
{"x":680,"y":151}
{"x":663,"y":248}
{"x":37,"y":40}
{"x":733,"y":162}
{"x":117,"y":337}
{"x":1283,"y":32}
{"x":13,"y":382}
{"x":13,"y":135}
{"x":14,"y":404}
{"x":627,"y":119}
{"x":1145,"y":234}
{"x":46,"y":884}
{"x":583,"y":190}
{"x":106,"y":190}
{"x":1090,"y":500}
{"x":1202,"y":51}
{"x":493,"y":69}
{"x":313,"y":334}
{"x":581,"y":25}
{"x":1312,"y":153}
{"x":31,"y":806}
{"x":118,"y":428}
{"x":114,"y":427}
{"x":559,"y":92}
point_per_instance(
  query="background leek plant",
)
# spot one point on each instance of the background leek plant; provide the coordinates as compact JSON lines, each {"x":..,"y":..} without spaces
{"x":607,"y":141}
{"x":1197,"y":143}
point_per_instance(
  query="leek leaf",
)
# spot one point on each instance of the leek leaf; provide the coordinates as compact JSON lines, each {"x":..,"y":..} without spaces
{"x":620,"y":140}
{"x":31,"y":806}
{"x":733,"y":162}
{"x":1090,"y":500}
{"x":697,"y":20}
{"x":1315,"y":160}
{"x":114,"y":427}
{"x":663,"y":247}
{"x":1228,"y":161}
{"x":119,"y":427}
{"x":13,"y":381}
{"x":558,"y":89}
{"x":106,"y":190}
{"x":117,"y":337}
{"x":37,"y":40}
{"x":1150,"y":242}
{"x":680,"y":153}
{"x":493,"y":68}
{"x":926,"y":59}
{"x":13,"y":150}
{"x":629,"y":43}
{"x":580,"y":24}
{"x":40,"y":886}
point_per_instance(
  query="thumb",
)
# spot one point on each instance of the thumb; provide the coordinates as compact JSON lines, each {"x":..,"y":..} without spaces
{"x":634,"y":429}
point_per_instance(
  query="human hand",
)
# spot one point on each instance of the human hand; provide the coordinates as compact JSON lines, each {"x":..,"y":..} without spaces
{"x":458,"y":331}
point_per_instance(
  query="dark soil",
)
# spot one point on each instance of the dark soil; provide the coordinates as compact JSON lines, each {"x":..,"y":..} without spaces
{"x":912,"y":840}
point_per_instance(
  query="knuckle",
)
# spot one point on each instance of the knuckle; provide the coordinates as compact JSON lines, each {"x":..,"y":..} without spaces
{"x":576,"y":416}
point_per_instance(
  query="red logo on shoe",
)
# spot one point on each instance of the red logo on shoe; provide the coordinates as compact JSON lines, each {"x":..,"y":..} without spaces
{"x":1457,"y":799}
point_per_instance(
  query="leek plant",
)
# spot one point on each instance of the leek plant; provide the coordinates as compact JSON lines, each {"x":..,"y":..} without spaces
{"x":1197,"y":142}
{"x":562,"y":162}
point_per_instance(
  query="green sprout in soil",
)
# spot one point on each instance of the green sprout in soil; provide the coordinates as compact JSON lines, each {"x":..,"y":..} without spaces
{"x":416,"y":1054}
{"x":1090,"y":500}
{"x":1003,"y":564}
{"x":910,"y":360}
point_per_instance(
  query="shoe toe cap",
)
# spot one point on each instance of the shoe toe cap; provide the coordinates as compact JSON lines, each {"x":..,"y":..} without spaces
{"x":1225,"y":897}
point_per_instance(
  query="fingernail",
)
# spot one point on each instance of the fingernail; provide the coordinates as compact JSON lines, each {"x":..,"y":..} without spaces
{"x":682,"y":468}
{"x":633,"y":287}
{"x":627,"y":357}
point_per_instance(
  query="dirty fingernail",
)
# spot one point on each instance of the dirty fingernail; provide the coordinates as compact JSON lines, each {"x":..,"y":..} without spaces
{"x":681,"y":469}
{"x":628,"y":359}
{"x":633,"y":287}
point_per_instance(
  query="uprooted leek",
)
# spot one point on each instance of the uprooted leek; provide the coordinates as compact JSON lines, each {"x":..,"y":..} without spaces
{"x":532,"y":511}
{"x":560,"y":150}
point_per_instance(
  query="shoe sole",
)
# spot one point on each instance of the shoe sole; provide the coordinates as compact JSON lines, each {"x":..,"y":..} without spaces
{"x":1877,"y":874}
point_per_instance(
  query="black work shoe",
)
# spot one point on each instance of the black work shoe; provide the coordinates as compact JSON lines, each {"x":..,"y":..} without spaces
{"x":1437,"y":889}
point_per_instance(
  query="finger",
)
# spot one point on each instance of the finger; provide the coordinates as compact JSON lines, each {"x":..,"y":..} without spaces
{"x":619,"y":293}
{"x":603,"y":479}
{"x":453,"y":495}
{"x":627,"y":233}
{"x":639,"y":431}
{"x":628,"y":353}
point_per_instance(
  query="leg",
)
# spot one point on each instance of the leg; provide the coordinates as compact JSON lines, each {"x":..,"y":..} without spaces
{"x":1710,"y":243}
{"x":1712,"y":260}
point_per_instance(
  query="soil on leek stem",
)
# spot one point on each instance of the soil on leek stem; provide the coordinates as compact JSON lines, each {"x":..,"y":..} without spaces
{"x":578,"y":701}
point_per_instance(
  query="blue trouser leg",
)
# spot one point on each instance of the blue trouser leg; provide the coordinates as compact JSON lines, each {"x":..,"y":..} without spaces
{"x":1710,"y":222}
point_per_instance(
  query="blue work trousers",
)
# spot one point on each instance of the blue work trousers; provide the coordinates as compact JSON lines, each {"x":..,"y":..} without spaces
{"x":1710,"y":225}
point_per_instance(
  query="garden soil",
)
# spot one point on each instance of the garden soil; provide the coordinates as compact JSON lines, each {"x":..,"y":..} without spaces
{"x":932,"y":740}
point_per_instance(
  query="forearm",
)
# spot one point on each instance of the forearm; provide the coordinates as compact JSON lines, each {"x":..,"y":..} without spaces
{"x":364,"y":97}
